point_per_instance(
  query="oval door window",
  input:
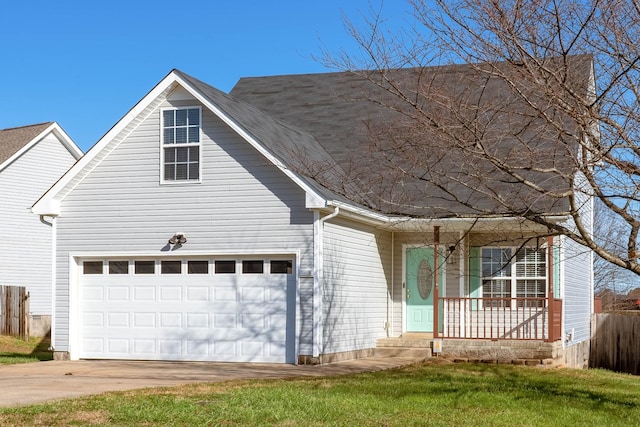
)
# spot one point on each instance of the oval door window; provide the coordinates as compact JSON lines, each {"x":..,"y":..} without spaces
{"x":425,"y":279}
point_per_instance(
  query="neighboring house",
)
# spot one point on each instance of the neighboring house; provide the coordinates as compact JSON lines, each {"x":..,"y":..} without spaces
{"x":208,"y":226}
{"x":32,"y":159}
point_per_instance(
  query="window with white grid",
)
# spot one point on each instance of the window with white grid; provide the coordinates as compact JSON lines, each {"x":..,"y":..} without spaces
{"x":531,"y":274}
{"x":523,"y":275}
{"x":496,"y":276}
{"x":181,"y":144}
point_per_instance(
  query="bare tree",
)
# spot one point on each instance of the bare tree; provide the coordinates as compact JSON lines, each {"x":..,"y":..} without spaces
{"x":610,"y":233}
{"x":544,"y":118}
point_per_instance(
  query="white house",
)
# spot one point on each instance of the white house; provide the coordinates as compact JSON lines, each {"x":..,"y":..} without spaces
{"x":217,"y":227}
{"x":32,"y":159}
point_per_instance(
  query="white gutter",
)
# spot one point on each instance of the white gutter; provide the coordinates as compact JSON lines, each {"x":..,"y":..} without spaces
{"x":318,"y":278}
{"x":394,"y":223}
{"x":334,"y":214}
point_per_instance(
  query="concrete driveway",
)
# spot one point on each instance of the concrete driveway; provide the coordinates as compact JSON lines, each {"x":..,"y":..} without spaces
{"x":31,"y":383}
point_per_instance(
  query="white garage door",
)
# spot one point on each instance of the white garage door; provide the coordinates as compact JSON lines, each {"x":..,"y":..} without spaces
{"x":187,"y":309}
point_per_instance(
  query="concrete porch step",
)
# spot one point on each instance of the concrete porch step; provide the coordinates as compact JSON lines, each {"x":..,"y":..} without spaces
{"x":415,"y":345}
{"x":423,"y":353}
{"x":404,"y":342}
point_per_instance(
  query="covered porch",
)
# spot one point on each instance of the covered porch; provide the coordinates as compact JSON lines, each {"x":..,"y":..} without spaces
{"x":463,"y":287}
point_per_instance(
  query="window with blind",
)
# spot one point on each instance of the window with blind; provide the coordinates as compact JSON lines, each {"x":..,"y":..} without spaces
{"x":507,"y":273}
{"x":181,"y":144}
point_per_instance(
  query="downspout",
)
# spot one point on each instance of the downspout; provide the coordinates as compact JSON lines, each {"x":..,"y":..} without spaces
{"x":318,"y":279}
{"x":52,"y":224}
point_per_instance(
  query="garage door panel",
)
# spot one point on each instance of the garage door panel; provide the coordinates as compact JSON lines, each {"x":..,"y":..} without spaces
{"x":118,"y":320}
{"x":118,"y":346}
{"x":170,"y":293}
{"x":225,"y":294}
{"x":198,"y":347}
{"x":92,"y":318}
{"x":252,"y":294}
{"x":144,"y":294}
{"x":144,"y":320}
{"x":214,"y":317}
{"x":144,"y":346}
{"x":224,"y":320}
{"x":94,"y":293}
{"x":170,"y":320}
{"x":198,"y":293}
{"x":198,"y":320}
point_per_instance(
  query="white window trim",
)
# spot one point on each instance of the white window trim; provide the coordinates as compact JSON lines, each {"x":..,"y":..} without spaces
{"x":513,"y":277}
{"x":164,"y":181}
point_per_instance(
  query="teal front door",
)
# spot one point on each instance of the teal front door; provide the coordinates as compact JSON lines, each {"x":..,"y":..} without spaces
{"x":419,"y":288}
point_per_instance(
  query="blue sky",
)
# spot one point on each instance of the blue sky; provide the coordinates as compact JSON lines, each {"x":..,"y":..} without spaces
{"x":84,"y":64}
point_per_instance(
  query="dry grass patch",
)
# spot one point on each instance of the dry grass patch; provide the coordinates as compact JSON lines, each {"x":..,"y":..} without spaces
{"x":14,"y":350}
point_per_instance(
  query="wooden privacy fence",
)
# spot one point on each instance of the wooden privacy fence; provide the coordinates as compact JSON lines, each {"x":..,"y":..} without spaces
{"x":615,"y":343}
{"x":14,"y":311}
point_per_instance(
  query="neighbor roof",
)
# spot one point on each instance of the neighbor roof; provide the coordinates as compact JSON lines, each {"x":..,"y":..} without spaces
{"x":13,"y":140}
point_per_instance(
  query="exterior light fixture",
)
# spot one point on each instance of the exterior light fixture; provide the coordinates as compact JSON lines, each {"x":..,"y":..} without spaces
{"x":449,"y":254}
{"x":177,"y":239}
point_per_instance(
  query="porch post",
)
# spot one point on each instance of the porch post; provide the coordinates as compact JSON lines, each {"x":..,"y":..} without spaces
{"x":550,"y":296}
{"x":436,"y":243}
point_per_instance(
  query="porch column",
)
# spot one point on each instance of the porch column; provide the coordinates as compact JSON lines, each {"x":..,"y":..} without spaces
{"x":436,"y":243}
{"x":550,"y":297}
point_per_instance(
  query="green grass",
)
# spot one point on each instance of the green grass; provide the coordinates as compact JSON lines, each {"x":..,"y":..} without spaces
{"x":425,"y":394}
{"x":15,"y":350}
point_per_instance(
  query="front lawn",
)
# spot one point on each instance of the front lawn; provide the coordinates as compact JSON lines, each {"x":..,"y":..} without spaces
{"x":434,"y":394}
{"x":14,"y":350}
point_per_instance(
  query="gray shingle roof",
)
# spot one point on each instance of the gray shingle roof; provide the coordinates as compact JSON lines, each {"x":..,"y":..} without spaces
{"x":337,"y":109}
{"x":13,"y":140}
{"x":294,"y":148}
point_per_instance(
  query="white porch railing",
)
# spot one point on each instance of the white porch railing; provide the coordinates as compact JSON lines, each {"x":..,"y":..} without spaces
{"x":500,"y":318}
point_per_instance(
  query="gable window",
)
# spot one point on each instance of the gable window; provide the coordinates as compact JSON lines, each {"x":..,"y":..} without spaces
{"x":505,"y":275}
{"x":181,"y":144}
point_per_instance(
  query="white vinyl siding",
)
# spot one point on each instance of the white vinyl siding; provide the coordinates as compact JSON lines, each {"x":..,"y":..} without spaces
{"x":243,"y":205}
{"x":25,"y":252}
{"x":357,"y":265}
{"x":577,"y":271}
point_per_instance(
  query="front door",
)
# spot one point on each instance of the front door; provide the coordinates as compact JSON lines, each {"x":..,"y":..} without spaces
{"x":419,"y":276}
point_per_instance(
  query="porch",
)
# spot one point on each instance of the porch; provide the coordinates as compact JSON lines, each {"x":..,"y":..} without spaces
{"x":478,"y":289}
{"x":490,"y":330}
